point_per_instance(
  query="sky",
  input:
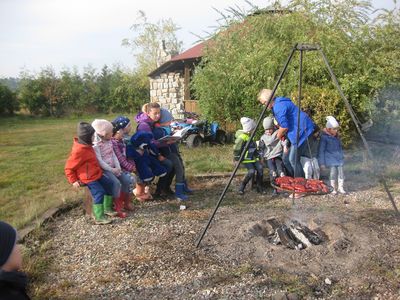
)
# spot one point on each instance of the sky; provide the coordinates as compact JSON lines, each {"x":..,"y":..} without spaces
{"x":64,"y":33}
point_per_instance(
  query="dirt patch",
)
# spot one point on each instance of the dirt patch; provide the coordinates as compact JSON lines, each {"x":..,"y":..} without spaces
{"x":151,"y":254}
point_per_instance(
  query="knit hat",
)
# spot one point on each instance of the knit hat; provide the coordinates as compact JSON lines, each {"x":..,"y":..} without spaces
{"x":268,"y":123}
{"x":331,"y":122}
{"x":85,"y":132}
{"x":165,"y":116}
{"x":102,"y":127}
{"x":8,"y":239}
{"x":247,"y":124}
{"x":120,"y":123}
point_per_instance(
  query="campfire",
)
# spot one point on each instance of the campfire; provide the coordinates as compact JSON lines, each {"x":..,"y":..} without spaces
{"x":292,"y":235}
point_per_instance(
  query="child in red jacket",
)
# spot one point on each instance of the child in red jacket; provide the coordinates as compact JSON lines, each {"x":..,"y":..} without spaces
{"x":82,"y":168}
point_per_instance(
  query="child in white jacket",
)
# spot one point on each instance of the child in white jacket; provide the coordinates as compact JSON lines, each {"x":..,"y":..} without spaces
{"x":109,"y":163}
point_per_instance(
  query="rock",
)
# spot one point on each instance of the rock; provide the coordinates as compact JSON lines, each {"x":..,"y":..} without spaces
{"x":328,"y":281}
{"x":292,"y":296}
{"x":279,"y":296}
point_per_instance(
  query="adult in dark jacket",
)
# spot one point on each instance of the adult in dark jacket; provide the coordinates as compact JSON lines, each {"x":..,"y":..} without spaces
{"x":161,"y":129}
{"x":12,"y":282}
{"x":286,"y":114}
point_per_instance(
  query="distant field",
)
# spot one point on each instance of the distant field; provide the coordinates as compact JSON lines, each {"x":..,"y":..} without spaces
{"x":32,"y":157}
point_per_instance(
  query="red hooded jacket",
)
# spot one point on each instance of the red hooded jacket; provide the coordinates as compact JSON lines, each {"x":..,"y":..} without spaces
{"x":82,"y":164}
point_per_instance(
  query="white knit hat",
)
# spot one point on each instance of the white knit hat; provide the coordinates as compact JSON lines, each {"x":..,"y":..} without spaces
{"x":247,"y":124}
{"x":331,"y":122}
{"x":102,"y":127}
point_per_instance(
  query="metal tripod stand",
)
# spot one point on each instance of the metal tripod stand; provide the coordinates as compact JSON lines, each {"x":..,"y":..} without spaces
{"x":302,"y":48}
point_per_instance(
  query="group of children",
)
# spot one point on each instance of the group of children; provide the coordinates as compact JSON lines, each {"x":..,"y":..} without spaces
{"x":105,"y":159}
{"x":325,"y":150}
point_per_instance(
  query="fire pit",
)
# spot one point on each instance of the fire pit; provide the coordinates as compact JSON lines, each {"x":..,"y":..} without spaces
{"x":291,"y":234}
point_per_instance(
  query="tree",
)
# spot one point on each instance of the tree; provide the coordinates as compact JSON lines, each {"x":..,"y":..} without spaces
{"x":250,"y":54}
{"x":8,"y":100}
{"x":145,"y":45}
{"x":31,"y":95}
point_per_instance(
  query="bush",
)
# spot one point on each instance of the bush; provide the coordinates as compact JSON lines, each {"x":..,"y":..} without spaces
{"x":8,"y":101}
{"x":250,"y":55}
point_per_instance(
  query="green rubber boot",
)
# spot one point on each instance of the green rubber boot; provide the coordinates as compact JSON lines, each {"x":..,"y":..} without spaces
{"x":108,"y":204}
{"x":98,"y":212}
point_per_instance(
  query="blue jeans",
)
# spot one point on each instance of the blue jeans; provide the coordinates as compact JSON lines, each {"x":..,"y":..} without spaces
{"x":127,"y":180}
{"x":116,"y":183}
{"x":295,"y":159}
{"x":99,"y":188}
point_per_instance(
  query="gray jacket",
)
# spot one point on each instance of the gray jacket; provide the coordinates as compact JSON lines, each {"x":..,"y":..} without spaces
{"x":271,"y":146}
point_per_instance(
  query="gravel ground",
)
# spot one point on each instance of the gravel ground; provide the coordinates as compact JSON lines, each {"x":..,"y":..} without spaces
{"x":151,"y":254}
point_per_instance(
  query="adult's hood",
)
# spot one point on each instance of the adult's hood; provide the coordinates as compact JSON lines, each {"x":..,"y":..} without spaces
{"x":143,"y":117}
{"x":282,"y":99}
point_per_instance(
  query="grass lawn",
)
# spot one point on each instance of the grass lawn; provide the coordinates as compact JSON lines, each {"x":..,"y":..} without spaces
{"x":32,"y":157}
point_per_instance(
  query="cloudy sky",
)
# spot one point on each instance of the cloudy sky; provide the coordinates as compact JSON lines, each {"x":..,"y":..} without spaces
{"x":66,"y":33}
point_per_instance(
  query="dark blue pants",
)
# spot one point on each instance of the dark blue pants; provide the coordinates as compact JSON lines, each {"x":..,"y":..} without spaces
{"x":99,"y":188}
{"x":165,"y":181}
{"x":252,"y":168}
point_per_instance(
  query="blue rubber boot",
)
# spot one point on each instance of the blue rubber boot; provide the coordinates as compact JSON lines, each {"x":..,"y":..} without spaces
{"x":179,"y":187}
{"x":186,"y":188}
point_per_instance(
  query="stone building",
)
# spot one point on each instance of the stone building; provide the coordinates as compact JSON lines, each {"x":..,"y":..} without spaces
{"x":169,"y":83}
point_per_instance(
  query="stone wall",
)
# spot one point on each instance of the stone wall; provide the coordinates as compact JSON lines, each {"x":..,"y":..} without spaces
{"x":168,"y":90}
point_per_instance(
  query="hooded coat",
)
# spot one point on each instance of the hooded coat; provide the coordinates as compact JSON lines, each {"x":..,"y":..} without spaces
{"x":271,"y":146}
{"x":330,"y":151}
{"x":241,"y":139}
{"x":82,"y":164}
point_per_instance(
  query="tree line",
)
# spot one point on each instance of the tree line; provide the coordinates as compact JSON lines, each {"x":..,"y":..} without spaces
{"x":50,"y":94}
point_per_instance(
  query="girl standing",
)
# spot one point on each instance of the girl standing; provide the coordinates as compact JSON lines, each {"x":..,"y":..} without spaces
{"x":330,"y":154}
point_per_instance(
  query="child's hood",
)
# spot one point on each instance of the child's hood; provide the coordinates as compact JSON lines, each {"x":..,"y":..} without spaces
{"x":239,"y":133}
{"x":140,"y":138}
{"x":79,"y":145}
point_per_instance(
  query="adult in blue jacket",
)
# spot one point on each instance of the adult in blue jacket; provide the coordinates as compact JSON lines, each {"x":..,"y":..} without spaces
{"x":285,"y":113}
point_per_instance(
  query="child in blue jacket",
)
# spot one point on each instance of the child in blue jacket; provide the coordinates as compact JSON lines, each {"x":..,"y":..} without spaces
{"x":330,"y":154}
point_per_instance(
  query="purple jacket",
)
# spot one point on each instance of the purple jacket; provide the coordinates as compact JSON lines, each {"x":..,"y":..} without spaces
{"x":146,"y":124}
{"x":120,"y":151}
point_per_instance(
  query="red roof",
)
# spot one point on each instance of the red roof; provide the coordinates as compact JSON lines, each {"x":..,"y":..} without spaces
{"x":194,"y":52}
